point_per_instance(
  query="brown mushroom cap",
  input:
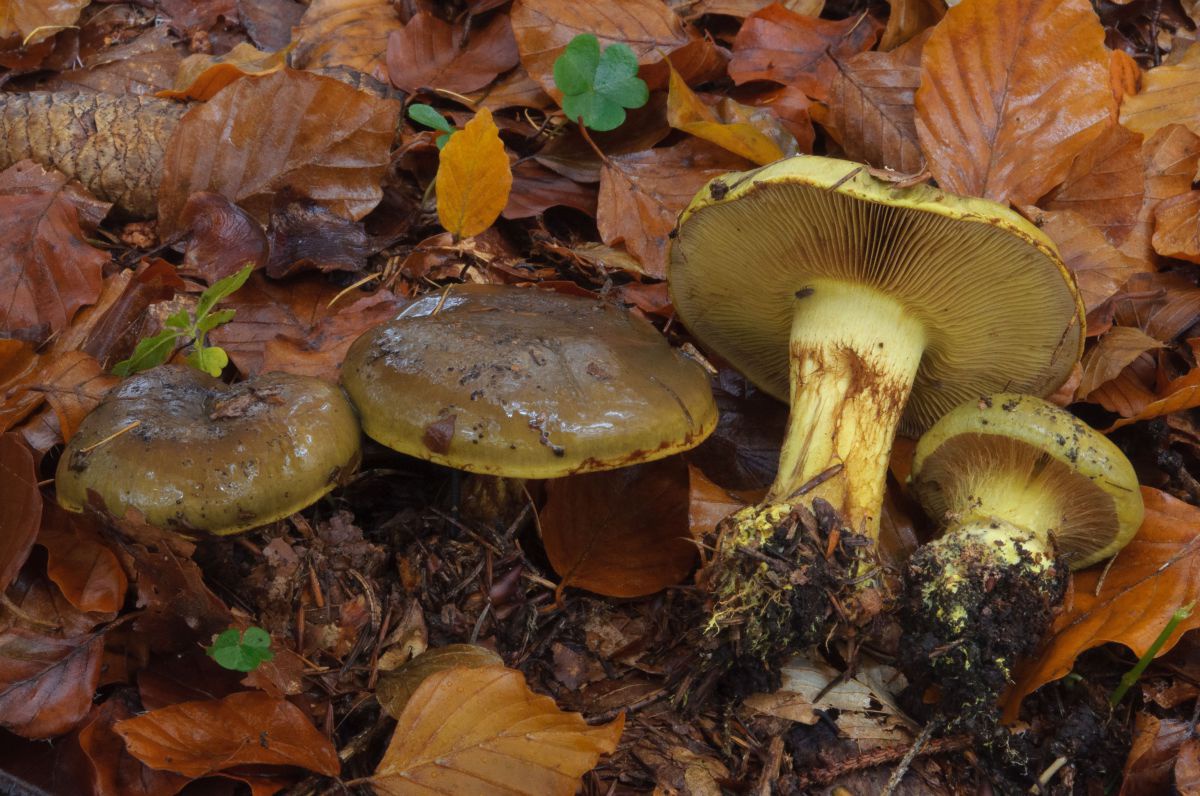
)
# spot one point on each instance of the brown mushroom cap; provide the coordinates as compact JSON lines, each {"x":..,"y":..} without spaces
{"x":201,"y":455}
{"x":526,"y":383}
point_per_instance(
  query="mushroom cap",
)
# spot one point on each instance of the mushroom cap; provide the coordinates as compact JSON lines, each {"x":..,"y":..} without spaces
{"x":208,"y":456}
{"x":1096,"y":488}
{"x":526,"y":383}
{"x":1000,"y":309}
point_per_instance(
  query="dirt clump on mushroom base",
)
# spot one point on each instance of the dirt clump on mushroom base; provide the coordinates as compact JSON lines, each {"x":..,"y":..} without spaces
{"x":964,"y":640}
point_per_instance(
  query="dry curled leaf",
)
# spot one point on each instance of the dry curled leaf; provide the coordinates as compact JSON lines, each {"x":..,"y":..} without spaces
{"x":1177,"y":396}
{"x":730,"y":125}
{"x":1169,"y":160}
{"x":473,"y":178}
{"x":1154,"y":575}
{"x":313,"y":136}
{"x":351,"y":33}
{"x":1114,"y":351}
{"x":482,"y":731}
{"x":1177,"y":227}
{"x":1011,"y":91}
{"x":85,"y":570}
{"x":620,"y":533}
{"x":1099,"y":268}
{"x":248,"y":728}
{"x":201,"y":76}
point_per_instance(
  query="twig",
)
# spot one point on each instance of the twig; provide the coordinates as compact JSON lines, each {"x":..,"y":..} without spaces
{"x":902,"y":769}
{"x":1047,"y":775}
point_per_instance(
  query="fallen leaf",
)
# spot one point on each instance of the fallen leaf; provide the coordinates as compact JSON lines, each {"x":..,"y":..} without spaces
{"x":734,"y":130}
{"x":313,"y":136}
{"x":47,"y":269}
{"x":397,"y":686}
{"x":22,"y":502}
{"x":222,"y":238}
{"x":907,"y":19}
{"x":482,"y":731}
{"x":744,"y":8}
{"x":473,"y":178}
{"x":620,"y":533}
{"x":536,"y":188}
{"x":35,"y":20}
{"x":1170,"y":95}
{"x":870,"y":107}
{"x":201,"y":76}
{"x":1178,"y":395}
{"x":428,"y":53}
{"x":1153,"y":754}
{"x":1169,"y":159}
{"x":115,"y":772}
{"x":351,"y":33}
{"x":247,"y":728}
{"x":641,"y":195}
{"x":1156,"y":573}
{"x":269,"y":23}
{"x":1177,"y":227}
{"x":306,"y":236}
{"x":1099,"y":268}
{"x":786,"y":47}
{"x":1112,"y":353}
{"x":1011,"y":91}
{"x":85,"y":570}
{"x":1187,"y":768}
{"x":708,"y":503}
{"x":1106,"y":184}
{"x":145,"y":65}
{"x":793,"y":109}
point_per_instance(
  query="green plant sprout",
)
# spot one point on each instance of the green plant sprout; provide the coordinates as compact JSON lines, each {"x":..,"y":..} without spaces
{"x":598,"y":86}
{"x":426,"y":115}
{"x":241,"y":651}
{"x":190,"y":326}
{"x":1130,"y":677}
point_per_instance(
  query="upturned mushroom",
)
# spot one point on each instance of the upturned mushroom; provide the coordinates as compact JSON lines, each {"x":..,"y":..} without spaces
{"x":526,"y":383}
{"x":192,"y":453}
{"x":1024,"y":490}
{"x":871,"y":308}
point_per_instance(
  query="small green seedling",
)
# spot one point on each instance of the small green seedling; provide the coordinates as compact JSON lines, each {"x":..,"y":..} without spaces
{"x":1131,"y":677}
{"x":426,"y":115}
{"x":598,"y":86}
{"x":189,"y":326}
{"x":241,"y":651}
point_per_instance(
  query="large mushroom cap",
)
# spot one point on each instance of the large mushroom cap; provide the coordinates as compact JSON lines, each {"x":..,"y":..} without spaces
{"x":194,"y":454}
{"x":525,"y":383}
{"x":1018,"y":448}
{"x":1000,"y":310}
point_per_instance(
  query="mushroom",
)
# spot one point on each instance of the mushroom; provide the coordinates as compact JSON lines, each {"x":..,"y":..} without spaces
{"x":526,"y":383}
{"x":873,"y":308}
{"x":1021,"y":487}
{"x":192,"y":453}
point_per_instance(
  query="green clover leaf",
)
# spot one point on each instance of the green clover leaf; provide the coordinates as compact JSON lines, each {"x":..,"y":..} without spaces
{"x":598,"y":86}
{"x":241,"y":651}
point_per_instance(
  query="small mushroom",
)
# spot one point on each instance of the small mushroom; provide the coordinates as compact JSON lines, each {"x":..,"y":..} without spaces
{"x":1021,"y":487}
{"x":872,"y":308}
{"x":526,"y":383}
{"x":192,"y":453}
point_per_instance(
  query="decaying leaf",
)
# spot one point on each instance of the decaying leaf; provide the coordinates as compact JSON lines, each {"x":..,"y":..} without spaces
{"x":31,"y":21}
{"x":481,"y":730}
{"x":247,"y":728}
{"x":22,"y":515}
{"x":1177,"y":227}
{"x":1169,"y":159}
{"x":1011,"y":91}
{"x":1154,"y":575}
{"x":1177,"y":395}
{"x":85,"y":570}
{"x":313,"y":136}
{"x":1106,"y":184}
{"x":429,"y":53}
{"x":620,"y":533}
{"x":1100,"y":269}
{"x":397,"y":686}
{"x":473,"y":178}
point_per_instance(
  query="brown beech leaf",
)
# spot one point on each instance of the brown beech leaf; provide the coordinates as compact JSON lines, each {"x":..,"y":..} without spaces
{"x":907,"y":19}
{"x":1153,"y":755}
{"x":397,"y":686}
{"x":34,"y":20}
{"x":46,"y":683}
{"x":1106,"y":183}
{"x":755,"y":135}
{"x":620,"y":533}
{"x":1154,"y":575}
{"x":1168,"y":96}
{"x":222,"y":238}
{"x":22,"y":502}
{"x":72,"y":382}
{"x":482,"y":731}
{"x":1011,"y":91}
{"x":1100,"y":269}
{"x":536,"y":188}
{"x":709,"y":503}
{"x":1114,"y":351}
{"x":543,"y":28}
{"x":1169,"y":158}
{"x":115,"y":772}
{"x":351,"y":33}
{"x":1187,"y":767}
{"x":428,"y":53}
{"x":47,"y":269}
{"x":641,"y":194}
{"x":201,"y":76}
{"x":313,"y":136}
{"x":786,"y":47}
{"x":248,"y":728}
{"x":870,"y":107}
{"x":1177,"y":227}
{"x":793,"y":108}
{"x":306,"y":237}
{"x":85,"y":570}
{"x":1178,"y":395}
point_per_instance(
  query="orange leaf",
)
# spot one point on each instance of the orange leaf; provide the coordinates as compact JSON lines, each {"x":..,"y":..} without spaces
{"x":907,"y":19}
{"x":1169,"y":159}
{"x":1100,"y":269}
{"x":247,"y":728}
{"x":38,"y":19}
{"x":201,"y":76}
{"x":429,"y":53}
{"x":709,"y":503}
{"x":1011,"y":91}
{"x":351,"y":33}
{"x":22,"y":502}
{"x":1168,"y":96}
{"x":1106,"y":184}
{"x":1180,"y":394}
{"x":482,"y":731}
{"x":620,"y":533}
{"x":1177,"y":227}
{"x":312,"y":136}
{"x":1153,"y":576}
{"x":84,"y":569}
{"x":686,"y":112}
{"x":473,"y":178}
{"x":1113,"y":352}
